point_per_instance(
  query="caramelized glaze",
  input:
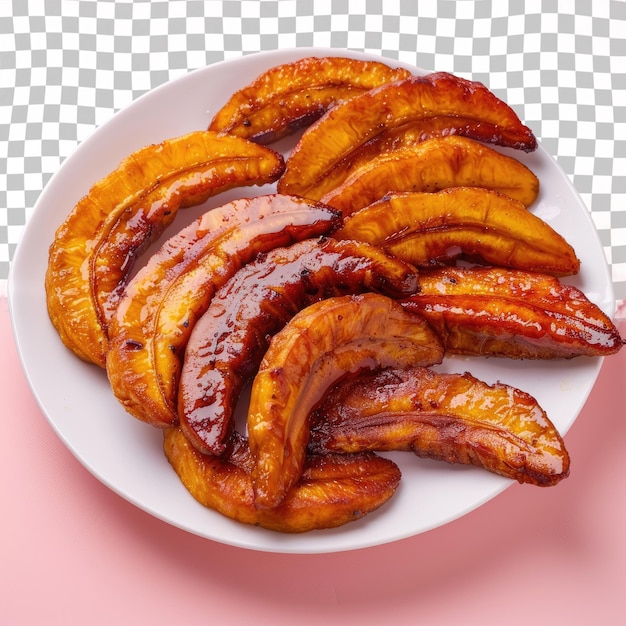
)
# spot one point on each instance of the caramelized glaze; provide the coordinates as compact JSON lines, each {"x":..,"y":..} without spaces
{"x":154,"y":319}
{"x":511,"y":313}
{"x":347,"y":126}
{"x":229,"y":340}
{"x":448,"y":417}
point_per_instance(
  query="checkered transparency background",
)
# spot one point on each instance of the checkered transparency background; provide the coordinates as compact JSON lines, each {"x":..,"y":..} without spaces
{"x":66,"y":66}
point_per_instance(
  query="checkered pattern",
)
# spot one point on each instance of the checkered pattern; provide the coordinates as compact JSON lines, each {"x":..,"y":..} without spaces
{"x":66,"y":66}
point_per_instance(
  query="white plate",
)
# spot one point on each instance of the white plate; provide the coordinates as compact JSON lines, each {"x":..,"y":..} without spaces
{"x":126,"y":455}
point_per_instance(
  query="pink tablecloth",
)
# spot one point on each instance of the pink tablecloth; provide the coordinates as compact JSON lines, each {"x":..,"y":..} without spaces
{"x":73,"y":552}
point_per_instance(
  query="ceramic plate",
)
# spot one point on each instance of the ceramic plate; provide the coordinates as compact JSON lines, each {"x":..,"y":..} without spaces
{"x":127,"y":456}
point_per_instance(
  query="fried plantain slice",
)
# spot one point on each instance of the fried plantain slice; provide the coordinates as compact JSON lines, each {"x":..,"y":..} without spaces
{"x":228,"y":342}
{"x":320,"y":345}
{"x":351,"y":124}
{"x":512,"y":313}
{"x":403,"y":136}
{"x":154,"y":319}
{"x":429,"y":228}
{"x":93,"y":251}
{"x":293,"y":95}
{"x":448,"y":417}
{"x":430,"y":166}
{"x":333,"y":489}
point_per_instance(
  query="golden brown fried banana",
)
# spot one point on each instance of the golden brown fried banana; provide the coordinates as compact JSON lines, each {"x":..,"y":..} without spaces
{"x":430,"y":166}
{"x":288,"y":97}
{"x":346,"y":127}
{"x":448,"y":417}
{"x":149,"y":332}
{"x":94,"y":249}
{"x":429,"y":228}
{"x":320,"y":345}
{"x":333,"y":489}
{"x":402,"y":136}
{"x":228,"y":342}
{"x":512,"y":313}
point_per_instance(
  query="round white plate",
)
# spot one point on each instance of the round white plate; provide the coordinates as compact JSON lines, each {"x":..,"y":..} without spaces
{"x":127,"y":456}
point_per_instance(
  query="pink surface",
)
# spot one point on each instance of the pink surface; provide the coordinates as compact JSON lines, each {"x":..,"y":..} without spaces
{"x":73,"y":552}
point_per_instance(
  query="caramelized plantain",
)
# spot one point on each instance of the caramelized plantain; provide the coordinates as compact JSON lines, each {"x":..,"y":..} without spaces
{"x":333,"y":489}
{"x":288,"y":97}
{"x":161,"y":304}
{"x":512,"y":313}
{"x":323,"y":343}
{"x":93,"y":251}
{"x":430,"y":166}
{"x":229,"y":340}
{"x":404,"y":136}
{"x":428,"y":228}
{"x":346,"y":127}
{"x":448,"y":417}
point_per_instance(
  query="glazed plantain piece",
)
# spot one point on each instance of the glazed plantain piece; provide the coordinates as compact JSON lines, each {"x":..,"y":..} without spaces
{"x":93,"y":251}
{"x":160,"y":306}
{"x":332,"y":491}
{"x":228,"y":342}
{"x":511,"y":313}
{"x":430,"y":166}
{"x":448,"y":417}
{"x":402,"y":137}
{"x":435,"y":228}
{"x":291,"y":96}
{"x":320,"y":345}
{"x":345,"y":128}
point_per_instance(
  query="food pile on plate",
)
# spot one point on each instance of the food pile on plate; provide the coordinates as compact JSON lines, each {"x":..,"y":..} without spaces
{"x":397,"y":235}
